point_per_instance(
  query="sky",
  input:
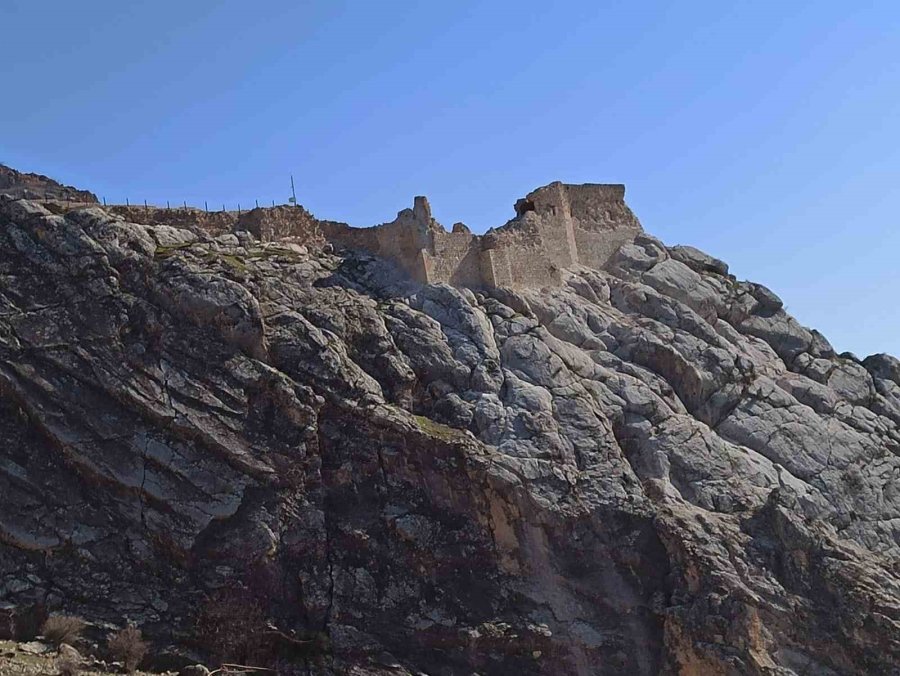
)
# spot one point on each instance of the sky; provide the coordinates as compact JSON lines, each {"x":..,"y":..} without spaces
{"x":765,"y":133}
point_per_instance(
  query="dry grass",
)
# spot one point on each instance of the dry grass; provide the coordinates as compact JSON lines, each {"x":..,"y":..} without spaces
{"x":231,"y":625}
{"x":128,"y":647}
{"x":59,"y":629}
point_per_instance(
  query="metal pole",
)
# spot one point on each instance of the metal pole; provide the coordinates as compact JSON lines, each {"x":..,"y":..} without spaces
{"x":206,"y":206}
{"x":239,"y":209}
{"x":104,"y":201}
{"x":167,"y":205}
{"x":145,"y":205}
{"x":126,"y":202}
{"x":185,"y":205}
{"x":257,"y":204}
{"x":293,"y":194}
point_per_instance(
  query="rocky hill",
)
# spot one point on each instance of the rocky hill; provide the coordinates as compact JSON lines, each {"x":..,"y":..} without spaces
{"x":293,"y":455}
{"x":17,"y":184}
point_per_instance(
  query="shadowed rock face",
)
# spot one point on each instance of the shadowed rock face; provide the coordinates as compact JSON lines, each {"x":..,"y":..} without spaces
{"x":646,"y":469}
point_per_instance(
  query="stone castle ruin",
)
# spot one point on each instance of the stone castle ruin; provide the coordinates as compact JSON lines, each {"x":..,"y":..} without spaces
{"x":556,"y":227}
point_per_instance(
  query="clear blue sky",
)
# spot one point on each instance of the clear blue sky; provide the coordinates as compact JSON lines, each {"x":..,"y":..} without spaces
{"x":765,"y":133}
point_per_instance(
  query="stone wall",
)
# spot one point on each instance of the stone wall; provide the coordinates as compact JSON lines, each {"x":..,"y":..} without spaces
{"x":406,"y":240}
{"x":555,"y":227}
{"x":601,"y":221}
{"x":281,"y":222}
{"x":454,"y":257}
{"x":265,"y":223}
{"x":213,"y":222}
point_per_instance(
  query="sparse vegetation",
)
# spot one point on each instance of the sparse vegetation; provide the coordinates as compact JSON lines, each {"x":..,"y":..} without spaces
{"x":436,"y":429}
{"x":231,"y":626}
{"x":164,"y":251}
{"x":277,"y":253}
{"x":128,"y":646}
{"x":233,"y":262}
{"x":60,"y":629}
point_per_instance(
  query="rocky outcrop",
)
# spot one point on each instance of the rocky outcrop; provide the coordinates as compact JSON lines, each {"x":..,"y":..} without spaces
{"x":17,"y":184}
{"x":646,"y":468}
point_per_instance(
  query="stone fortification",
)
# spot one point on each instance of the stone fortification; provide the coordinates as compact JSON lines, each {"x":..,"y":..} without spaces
{"x":265,"y":223}
{"x":407,"y":240}
{"x":556,"y":227}
{"x":212,"y":222}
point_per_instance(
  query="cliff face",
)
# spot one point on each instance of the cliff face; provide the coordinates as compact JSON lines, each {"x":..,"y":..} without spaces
{"x":293,"y":455}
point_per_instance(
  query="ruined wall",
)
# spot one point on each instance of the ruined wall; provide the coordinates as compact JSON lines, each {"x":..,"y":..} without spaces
{"x":213,"y":222}
{"x":556,"y":227}
{"x":405,"y":240}
{"x":455,"y":257}
{"x":281,"y":222}
{"x":548,"y":211}
{"x":266,"y":224}
{"x":601,"y":221}
{"x":520,"y":255}
{"x":418,"y":244}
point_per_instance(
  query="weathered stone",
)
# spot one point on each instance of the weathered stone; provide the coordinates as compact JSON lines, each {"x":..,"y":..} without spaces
{"x":697,"y":260}
{"x":634,"y":465}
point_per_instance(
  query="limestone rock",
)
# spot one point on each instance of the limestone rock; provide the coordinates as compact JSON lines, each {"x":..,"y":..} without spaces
{"x":644,"y":467}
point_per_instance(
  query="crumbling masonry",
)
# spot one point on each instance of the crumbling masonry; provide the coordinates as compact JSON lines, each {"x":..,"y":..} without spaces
{"x":555,"y":227}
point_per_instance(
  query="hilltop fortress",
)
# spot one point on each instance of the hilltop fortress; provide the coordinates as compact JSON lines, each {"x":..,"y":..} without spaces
{"x":556,"y":227}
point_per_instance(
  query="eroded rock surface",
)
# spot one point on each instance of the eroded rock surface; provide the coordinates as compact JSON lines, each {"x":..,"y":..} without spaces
{"x":648,"y":469}
{"x":18,"y":184}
